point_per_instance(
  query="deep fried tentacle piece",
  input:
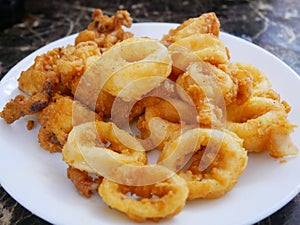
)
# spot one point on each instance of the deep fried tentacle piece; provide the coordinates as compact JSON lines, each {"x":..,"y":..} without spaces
{"x":48,"y":140}
{"x":106,"y":31}
{"x":58,"y":119}
{"x":23,"y":105}
{"x":85,"y":184}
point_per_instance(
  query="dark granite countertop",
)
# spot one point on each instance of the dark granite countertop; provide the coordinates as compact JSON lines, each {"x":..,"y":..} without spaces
{"x":271,"y":24}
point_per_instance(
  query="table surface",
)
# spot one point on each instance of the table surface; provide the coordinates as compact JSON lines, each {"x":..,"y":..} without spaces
{"x":271,"y":24}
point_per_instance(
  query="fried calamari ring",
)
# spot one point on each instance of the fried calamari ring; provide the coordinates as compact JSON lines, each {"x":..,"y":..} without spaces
{"x":213,"y":161}
{"x":159,"y":200}
{"x":99,"y":148}
{"x":263,"y":124}
{"x":243,"y":81}
{"x":129,"y":61}
{"x":205,"y":47}
{"x":253,"y":81}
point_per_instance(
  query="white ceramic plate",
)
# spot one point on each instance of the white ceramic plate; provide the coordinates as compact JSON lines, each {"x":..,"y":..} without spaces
{"x":37,"y":179}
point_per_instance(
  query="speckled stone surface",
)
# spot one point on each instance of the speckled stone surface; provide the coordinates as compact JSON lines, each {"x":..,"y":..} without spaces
{"x":271,"y":24}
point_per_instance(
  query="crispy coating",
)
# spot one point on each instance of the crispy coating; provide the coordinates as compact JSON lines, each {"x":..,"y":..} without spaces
{"x":85,"y":184}
{"x":198,"y":47}
{"x":263,"y":124}
{"x":33,"y":79}
{"x":210,"y":89}
{"x":173,"y":110}
{"x":99,"y":101}
{"x":63,"y":67}
{"x":30,"y":124}
{"x":74,"y":61}
{"x":23,"y":105}
{"x":194,"y":39}
{"x":251,"y":82}
{"x":106,"y":31}
{"x":60,"y":68}
{"x":100,"y":147}
{"x":58,"y":119}
{"x":214,"y":82}
{"x":164,"y":121}
{"x":125,"y":112}
{"x":160,"y":200}
{"x":128,"y":65}
{"x":209,"y":160}
{"x":207,"y":23}
{"x":157,"y":132}
{"x":243,"y":81}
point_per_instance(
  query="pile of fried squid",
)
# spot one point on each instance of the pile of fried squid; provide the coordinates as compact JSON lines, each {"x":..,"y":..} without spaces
{"x":111,"y":100}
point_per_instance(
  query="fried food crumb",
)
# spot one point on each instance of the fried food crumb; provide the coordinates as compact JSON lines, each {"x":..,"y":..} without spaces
{"x":30,"y":124}
{"x":283,"y":161}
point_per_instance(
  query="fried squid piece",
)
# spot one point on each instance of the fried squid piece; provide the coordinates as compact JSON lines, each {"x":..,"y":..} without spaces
{"x":75,"y":61}
{"x":84,"y":183}
{"x":43,"y":70}
{"x":207,"y":23}
{"x":162,"y":199}
{"x":209,"y":160}
{"x":61,"y":67}
{"x":255,"y":82}
{"x":23,"y":105}
{"x":58,"y":119}
{"x":263,"y":124}
{"x":106,"y":31}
